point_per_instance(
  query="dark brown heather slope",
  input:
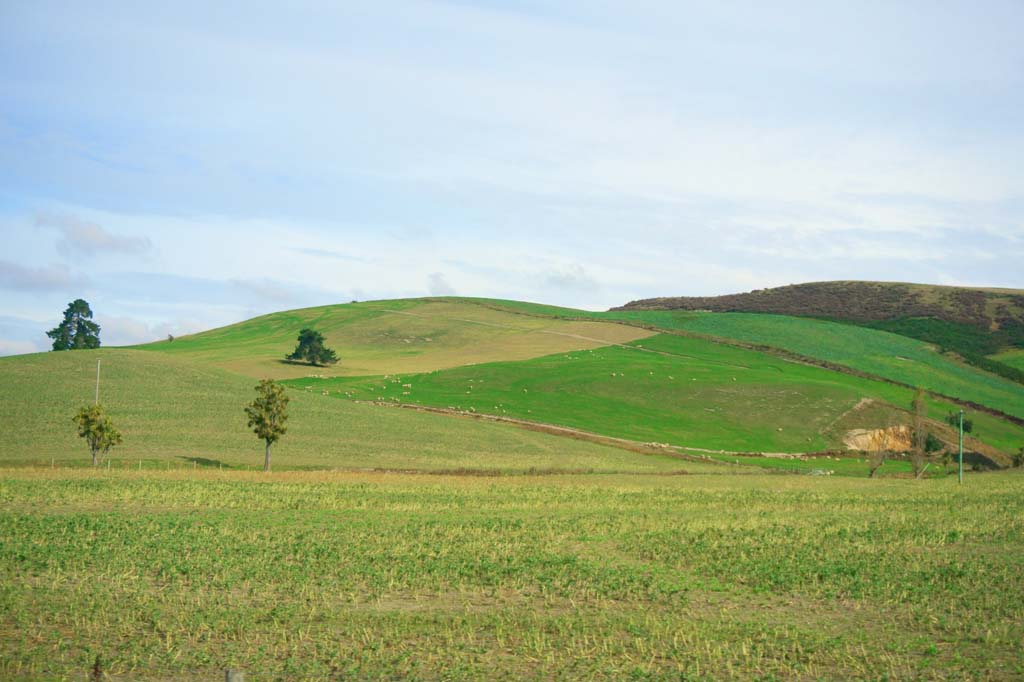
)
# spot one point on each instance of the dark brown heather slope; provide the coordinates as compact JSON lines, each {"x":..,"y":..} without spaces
{"x":986,"y":309}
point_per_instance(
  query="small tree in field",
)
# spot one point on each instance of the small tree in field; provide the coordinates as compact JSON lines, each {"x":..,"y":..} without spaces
{"x":311,"y":348}
{"x":919,"y":448}
{"x":268,"y":414}
{"x":98,"y":431}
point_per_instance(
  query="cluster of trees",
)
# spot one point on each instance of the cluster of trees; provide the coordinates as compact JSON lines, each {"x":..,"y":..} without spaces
{"x":267,"y":414}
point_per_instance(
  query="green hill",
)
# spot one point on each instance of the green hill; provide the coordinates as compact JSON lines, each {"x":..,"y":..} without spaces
{"x":666,"y":388}
{"x":883,"y":354}
{"x":973,"y":322}
{"x":380,"y":337}
{"x":599,"y":373}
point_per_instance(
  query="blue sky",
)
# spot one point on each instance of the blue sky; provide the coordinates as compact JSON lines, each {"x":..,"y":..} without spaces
{"x":190,"y":165}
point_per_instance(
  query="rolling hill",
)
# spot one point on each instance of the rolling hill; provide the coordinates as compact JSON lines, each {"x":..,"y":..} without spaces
{"x":697,"y":382}
{"x":976,"y":323}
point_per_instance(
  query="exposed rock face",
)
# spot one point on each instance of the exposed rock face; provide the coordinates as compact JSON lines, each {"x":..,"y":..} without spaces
{"x":872,"y":440}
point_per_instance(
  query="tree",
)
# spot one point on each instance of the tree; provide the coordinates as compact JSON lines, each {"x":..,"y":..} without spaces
{"x":311,"y":348}
{"x":919,"y":447}
{"x":953,"y":419}
{"x":95,"y":427}
{"x":268,"y":414}
{"x":77,"y":330}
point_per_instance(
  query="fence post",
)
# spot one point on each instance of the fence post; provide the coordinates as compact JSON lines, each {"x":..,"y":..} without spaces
{"x":234,"y":676}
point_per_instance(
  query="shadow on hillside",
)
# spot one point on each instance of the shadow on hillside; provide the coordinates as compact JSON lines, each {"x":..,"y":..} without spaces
{"x":301,"y":363}
{"x":206,"y":462}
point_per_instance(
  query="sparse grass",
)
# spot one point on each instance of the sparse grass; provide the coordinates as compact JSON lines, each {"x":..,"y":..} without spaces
{"x":363,"y":576}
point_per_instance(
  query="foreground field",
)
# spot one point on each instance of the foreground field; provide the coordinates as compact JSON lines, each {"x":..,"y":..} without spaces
{"x":601,"y":577}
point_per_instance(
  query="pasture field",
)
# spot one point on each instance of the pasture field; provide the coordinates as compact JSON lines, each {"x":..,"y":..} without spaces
{"x":877,"y":352}
{"x":367,"y":576}
{"x":380,"y":337}
{"x":1013,"y":358}
{"x":173,"y":412}
{"x":667,"y":389}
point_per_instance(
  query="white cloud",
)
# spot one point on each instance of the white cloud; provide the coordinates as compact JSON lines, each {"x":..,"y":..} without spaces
{"x":83,"y":237}
{"x":437,"y":285}
{"x":50,"y":278}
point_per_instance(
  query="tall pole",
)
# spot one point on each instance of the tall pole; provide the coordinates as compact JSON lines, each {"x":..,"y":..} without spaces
{"x":97,"y":381}
{"x":960,"y":476}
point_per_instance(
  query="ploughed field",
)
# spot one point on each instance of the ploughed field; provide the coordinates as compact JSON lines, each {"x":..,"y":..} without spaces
{"x":160,"y":575}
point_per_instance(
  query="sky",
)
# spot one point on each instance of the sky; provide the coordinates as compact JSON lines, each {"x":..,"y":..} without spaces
{"x":186,"y":165}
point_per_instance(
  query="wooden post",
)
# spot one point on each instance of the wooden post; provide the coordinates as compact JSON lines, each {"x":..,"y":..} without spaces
{"x":234,"y":676}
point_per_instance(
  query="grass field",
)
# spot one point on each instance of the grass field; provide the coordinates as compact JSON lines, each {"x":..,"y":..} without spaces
{"x":175,"y":413}
{"x":873,"y":351}
{"x":330,"y":576}
{"x":383,"y":337}
{"x":666,"y":388}
{"x":1013,"y":358}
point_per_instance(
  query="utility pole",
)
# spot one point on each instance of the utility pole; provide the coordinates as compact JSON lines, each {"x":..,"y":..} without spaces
{"x":960,"y":476}
{"x":97,"y":381}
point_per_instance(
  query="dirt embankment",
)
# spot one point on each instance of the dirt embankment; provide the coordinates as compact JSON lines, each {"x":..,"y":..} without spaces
{"x":894,"y":439}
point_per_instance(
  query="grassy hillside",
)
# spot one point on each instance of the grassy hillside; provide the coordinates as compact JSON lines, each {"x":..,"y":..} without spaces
{"x":381,"y":337}
{"x":972,"y":322}
{"x":1014,"y":358}
{"x":299,"y":576}
{"x":876,"y":352}
{"x":173,"y":412}
{"x":666,"y":388}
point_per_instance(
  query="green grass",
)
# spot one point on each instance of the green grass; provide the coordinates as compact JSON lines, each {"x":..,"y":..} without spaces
{"x":873,"y":351}
{"x":380,"y":337}
{"x":173,"y":412}
{"x":1013,"y":358}
{"x":667,"y":389}
{"x":357,"y":576}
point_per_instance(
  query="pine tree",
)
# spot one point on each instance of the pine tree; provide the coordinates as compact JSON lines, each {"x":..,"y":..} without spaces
{"x":77,"y":331}
{"x":311,"y":348}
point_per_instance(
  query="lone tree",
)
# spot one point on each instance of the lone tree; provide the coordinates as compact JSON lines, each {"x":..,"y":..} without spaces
{"x":95,"y":427}
{"x":311,"y":348}
{"x":920,"y":446}
{"x":268,"y":414}
{"x":77,"y":330}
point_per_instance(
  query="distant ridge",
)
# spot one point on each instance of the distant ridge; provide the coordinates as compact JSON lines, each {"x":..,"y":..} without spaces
{"x":974,"y":322}
{"x":988,"y":309}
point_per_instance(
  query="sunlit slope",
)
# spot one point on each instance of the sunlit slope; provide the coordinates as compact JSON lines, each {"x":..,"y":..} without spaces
{"x":1013,"y":358}
{"x":382,"y":337}
{"x":881,"y":353}
{"x":665,"y":388}
{"x":170,"y":409}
